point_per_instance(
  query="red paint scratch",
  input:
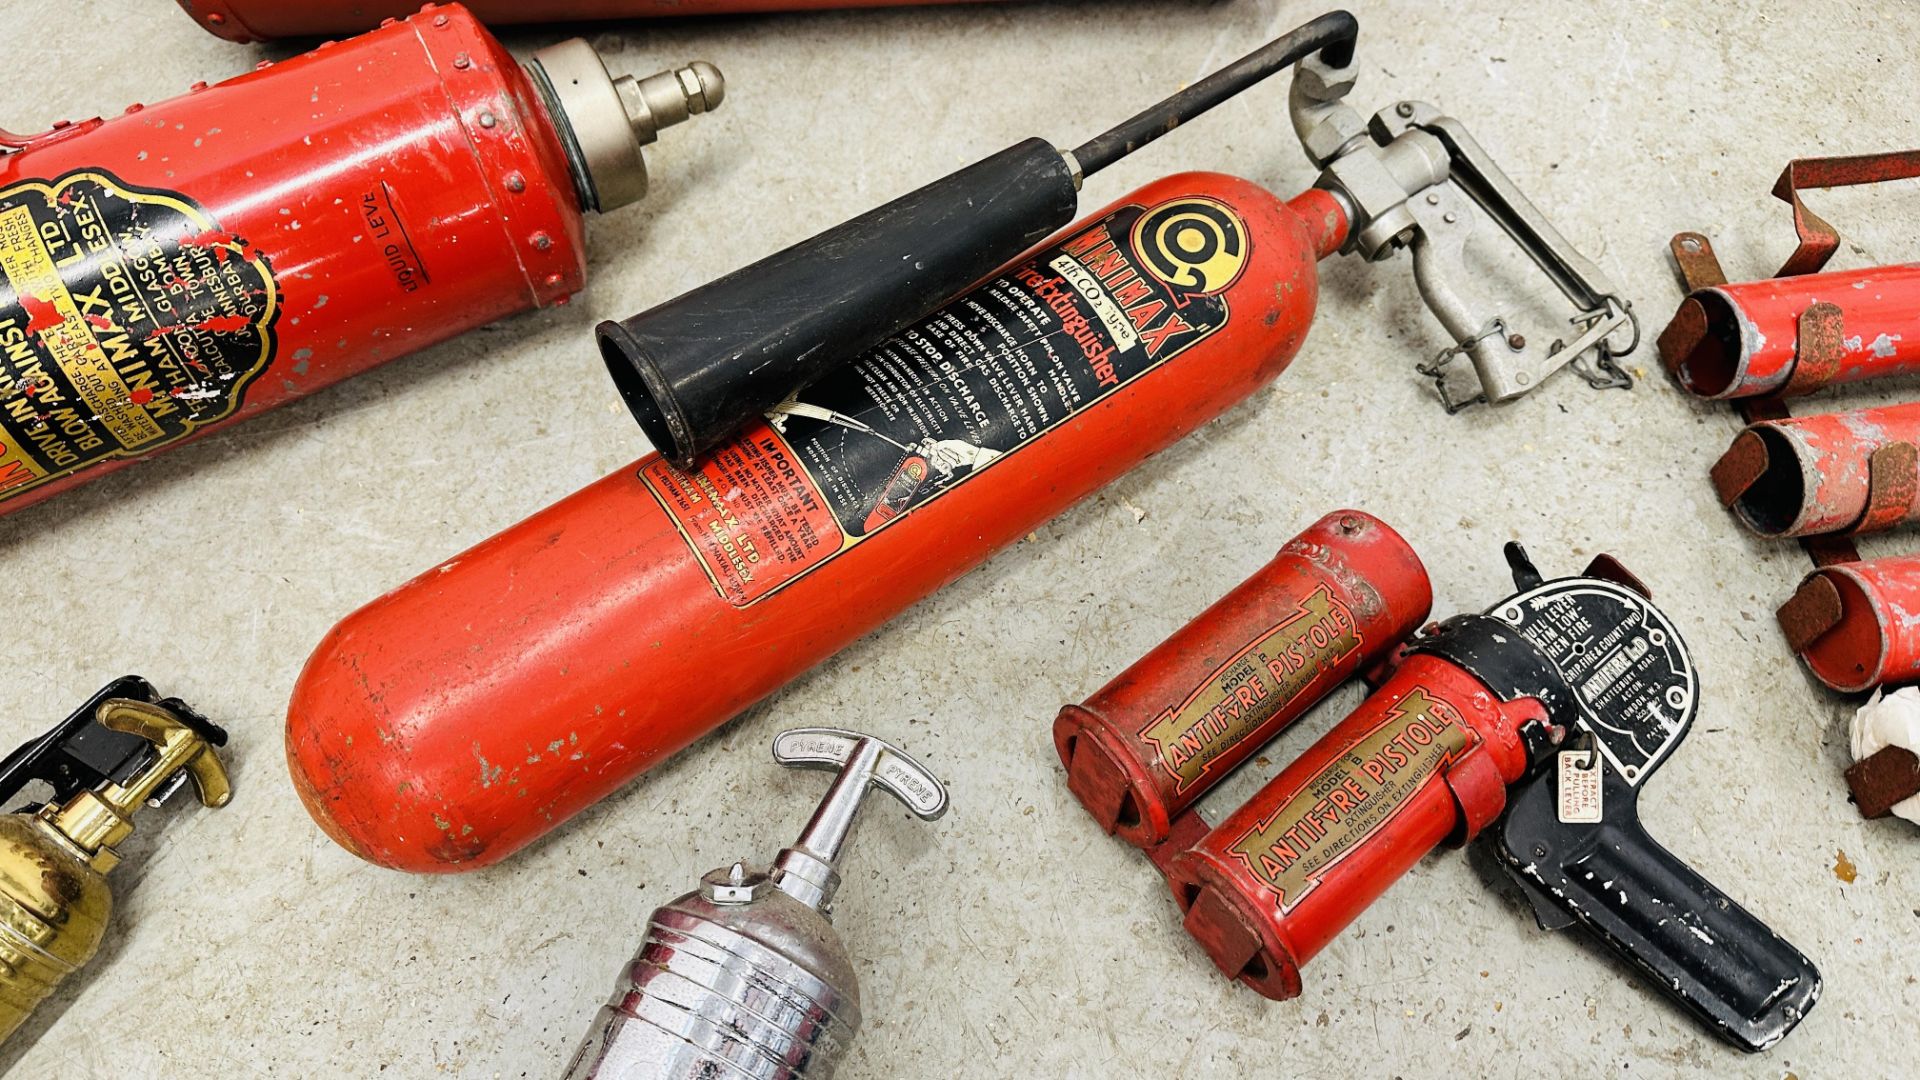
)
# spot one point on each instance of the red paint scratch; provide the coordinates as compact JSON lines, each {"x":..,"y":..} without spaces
{"x":140,"y":395}
{"x":222,"y":243}
{"x":41,"y":314}
{"x":217,"y":324}
{"x":99,"y":322}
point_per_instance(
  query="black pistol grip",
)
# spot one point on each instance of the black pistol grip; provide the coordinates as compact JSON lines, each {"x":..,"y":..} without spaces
{"x":1706,"y":951}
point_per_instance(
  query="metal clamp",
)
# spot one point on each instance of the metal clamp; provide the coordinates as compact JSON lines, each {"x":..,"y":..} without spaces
{"x":1392,"y":177}
{"x":805,"y":871}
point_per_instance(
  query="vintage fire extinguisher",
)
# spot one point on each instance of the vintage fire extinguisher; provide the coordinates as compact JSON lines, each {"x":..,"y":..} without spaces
{"x":746,"y":976}
{"x":1538,"y":722}
{"x":1818,"y":478}
{"x":1336,"y":601}
{"x":202,"y":259}
{"x":1857,"y":623}
{"x":576,"y":649}
{"x":125,"y":748}
{"x":264,"y":20}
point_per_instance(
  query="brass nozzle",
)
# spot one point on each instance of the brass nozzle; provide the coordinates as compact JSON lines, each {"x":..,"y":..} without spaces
{"x":603,"y":121}
{"x":666,"y":98}
{"x":97,"y":820}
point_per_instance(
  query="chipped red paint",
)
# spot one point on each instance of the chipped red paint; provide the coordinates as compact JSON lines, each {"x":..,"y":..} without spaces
{"x":1744,"y":340}
{"x":587,"y":644}
{"x":1349,"y":580}
{"x":264,"y":20}
{"x":1831,"y":473}
{"x":42,"y":316}
{"x":1857,"y":624}
{"x":335,"y":166}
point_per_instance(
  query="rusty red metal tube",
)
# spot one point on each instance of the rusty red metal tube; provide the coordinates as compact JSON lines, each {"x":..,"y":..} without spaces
{"x":1337,"y":599}
{"x":1857,"y":624}
{"x":265,"y":20}
{"x":1844,"y":472}
{"x":1791,"y":336}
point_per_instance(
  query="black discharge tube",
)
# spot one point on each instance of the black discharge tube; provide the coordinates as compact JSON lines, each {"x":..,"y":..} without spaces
{"x":698,"y":368}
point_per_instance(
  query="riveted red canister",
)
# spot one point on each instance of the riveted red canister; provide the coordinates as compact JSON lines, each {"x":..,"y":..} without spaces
{"x":452,"y":721}
{"x":264,"y":20}
{"x":1834,"y":473}
{"x":1337,"y":599}
{"x":1745,"y":340}
{"x":1857,"y":624}
{"x":199,"y":260}
{"x":1424,"y":760}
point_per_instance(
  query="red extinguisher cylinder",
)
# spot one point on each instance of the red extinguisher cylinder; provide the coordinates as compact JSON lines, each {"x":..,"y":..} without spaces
{"x":1425,"y":760}
{"x":454,"y":720}
{"x":1744,"y":340}
{"x":1847,"y":472}
{"x":196,"y":261}
{"x":1857,"y":624}
{"x":265,"y":20}
{"x":1336,"y":600}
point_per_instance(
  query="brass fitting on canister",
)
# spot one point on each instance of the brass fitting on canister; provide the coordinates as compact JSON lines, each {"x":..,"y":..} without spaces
{"x":103,"y":763}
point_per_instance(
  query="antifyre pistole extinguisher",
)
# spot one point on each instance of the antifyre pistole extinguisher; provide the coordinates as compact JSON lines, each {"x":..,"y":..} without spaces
{"x":576,"y":649}
{"x":199,"y":260}
{"x":1537,"y":723}
{"x":1335,"y":602}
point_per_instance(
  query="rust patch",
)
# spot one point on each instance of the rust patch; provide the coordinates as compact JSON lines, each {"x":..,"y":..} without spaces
{"x":1699,"y":266}
{"x":1686,"y":333}
{"x":1893,"y":474}
{"x":1881,"y":779}
{"x":1818,"y":349}
{"x":1813,"y":610}
{"x":1818,"y":239}
{"x":1739,"y":468}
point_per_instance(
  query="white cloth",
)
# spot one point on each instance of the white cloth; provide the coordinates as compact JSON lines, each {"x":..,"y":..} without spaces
{"x":1890,"y":720}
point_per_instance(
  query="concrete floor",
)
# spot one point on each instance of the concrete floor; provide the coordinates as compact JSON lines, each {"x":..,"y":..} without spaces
{"x":1009,"y":939}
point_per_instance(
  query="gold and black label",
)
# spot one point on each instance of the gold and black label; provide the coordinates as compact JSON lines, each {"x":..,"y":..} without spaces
{"x":128,"y":320}
{"x":1246,"y":691}
{"x":1350,"y":799}
{"x":944,"y":400}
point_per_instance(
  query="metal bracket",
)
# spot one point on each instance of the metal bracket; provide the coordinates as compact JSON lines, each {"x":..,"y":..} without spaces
{"x":1818,"y":348}
{"x":1818,"y":239}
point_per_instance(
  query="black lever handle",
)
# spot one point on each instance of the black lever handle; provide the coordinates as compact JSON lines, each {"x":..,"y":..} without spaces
{"x":79,"y":752}
{"x":1706,"y":951}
